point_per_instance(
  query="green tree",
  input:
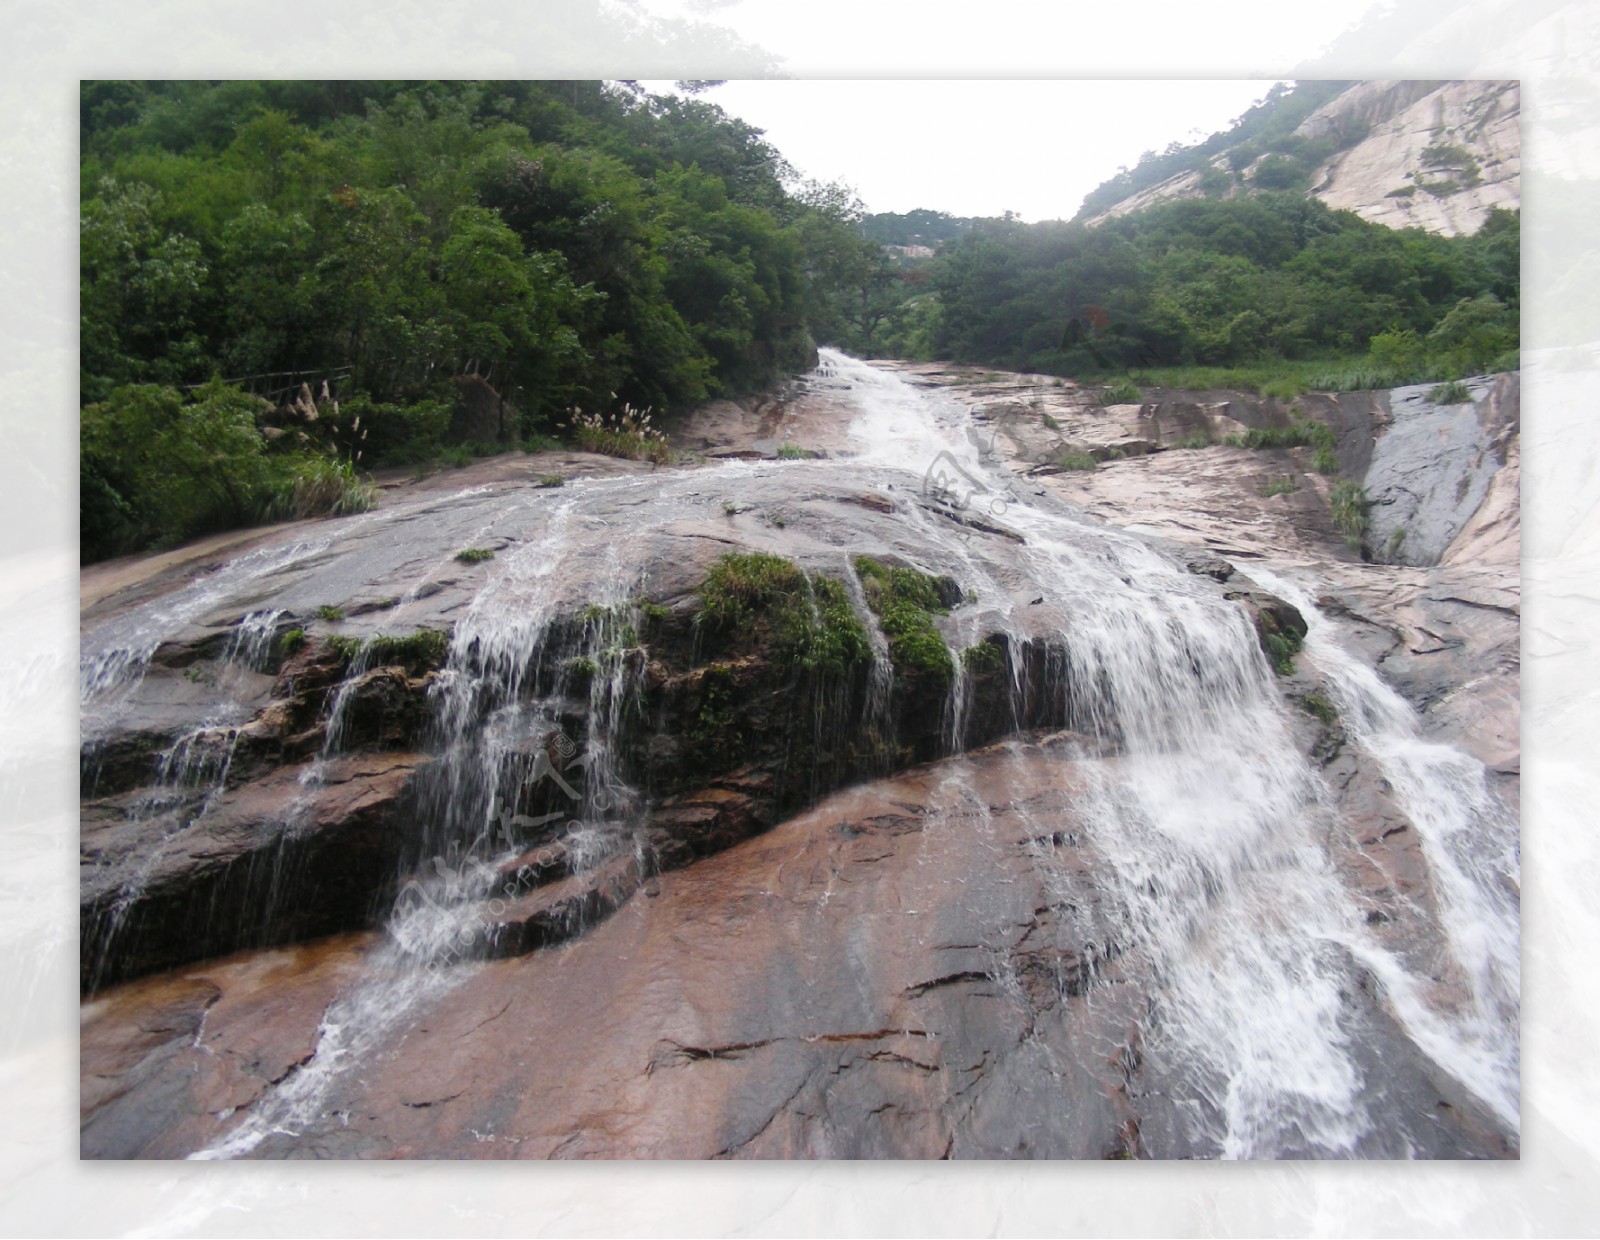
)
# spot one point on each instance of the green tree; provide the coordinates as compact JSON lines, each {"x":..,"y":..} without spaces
{"x":141,"y":289}
{"x":1474,"y":333}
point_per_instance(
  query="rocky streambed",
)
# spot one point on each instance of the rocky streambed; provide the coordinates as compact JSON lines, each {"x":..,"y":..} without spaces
{"x":912,"y":795}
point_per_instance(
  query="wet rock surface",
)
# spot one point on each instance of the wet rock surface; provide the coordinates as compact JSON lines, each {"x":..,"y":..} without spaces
{"x":915,"y":968}
{"x":1432,"y":468}
{"x":1440,"y":610}
{"x":811,"y":927}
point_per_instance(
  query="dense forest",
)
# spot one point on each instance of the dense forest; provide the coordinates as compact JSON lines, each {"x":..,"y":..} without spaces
{"x":1252,"y":282}
{"x":1255,"y":281}
{"x":575,"y":245}
{"x":376,"y":256}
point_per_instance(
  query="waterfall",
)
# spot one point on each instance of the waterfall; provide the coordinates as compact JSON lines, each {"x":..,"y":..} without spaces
{"x":1471,"y":840}
{"x":1208,"y":826}
{"x":499,"y":707}
{"x":1266,"y":994}
{"x":192,"y":772}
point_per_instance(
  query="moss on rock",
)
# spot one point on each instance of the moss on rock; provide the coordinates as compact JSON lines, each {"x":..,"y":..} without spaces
{"x":425,"y":649}
{"x":809,"y":620}
{"x":905,"y":602}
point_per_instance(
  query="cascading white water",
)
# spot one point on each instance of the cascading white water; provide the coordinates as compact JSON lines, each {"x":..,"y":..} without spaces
{"x":193,"y":771}
{"x":1471,"y":841}
{"x":114,"y":657}
{"x":1207,"y":824}
{"x":492,"y":725}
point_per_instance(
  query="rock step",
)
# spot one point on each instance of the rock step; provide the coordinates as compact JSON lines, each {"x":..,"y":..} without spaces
{"x":561,"y":910}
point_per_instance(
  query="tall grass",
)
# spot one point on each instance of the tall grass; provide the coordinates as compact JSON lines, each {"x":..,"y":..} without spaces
{"x":1285,"y":380}
{"x":1350,"y":505}
{"x":626,"y":433}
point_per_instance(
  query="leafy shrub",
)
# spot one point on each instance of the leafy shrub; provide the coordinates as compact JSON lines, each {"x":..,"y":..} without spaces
{"x":394,"y":434}
{"x":1453,"y":393}
{"x":1447,"y":155}
{"x":475,"y":555}
{"x":1215,"y":182}
{"x":1476,"y":331}
{"x":1279,"y":172}
{"x":1394,"y":350}
{"x":157,"y":468}
{"x":1122,"y":392}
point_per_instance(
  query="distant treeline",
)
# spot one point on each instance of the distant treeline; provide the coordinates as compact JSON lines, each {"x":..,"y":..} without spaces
{"x":1252,"y":273}
{"x":1277,"y":276}
{"x":919,"y":227}
{"x":578,"y":244}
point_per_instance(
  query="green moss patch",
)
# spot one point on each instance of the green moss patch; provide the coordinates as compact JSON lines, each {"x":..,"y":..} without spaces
{"x":426,"y":648}
{"x":905,"y":602}
{"x":982,"y":659}
{"x":808,"y":619}
{"x":1316,"y":704}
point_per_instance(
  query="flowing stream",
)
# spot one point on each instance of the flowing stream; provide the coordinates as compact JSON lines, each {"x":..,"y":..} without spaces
{"x":1208,"y":826}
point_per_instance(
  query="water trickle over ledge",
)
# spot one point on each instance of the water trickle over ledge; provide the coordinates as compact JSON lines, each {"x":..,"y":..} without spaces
{"x":651,"y":676}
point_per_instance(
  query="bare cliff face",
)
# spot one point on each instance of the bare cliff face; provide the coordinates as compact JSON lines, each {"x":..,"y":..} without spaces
{"x":997,"y":806}
{"x":1432,"y":155}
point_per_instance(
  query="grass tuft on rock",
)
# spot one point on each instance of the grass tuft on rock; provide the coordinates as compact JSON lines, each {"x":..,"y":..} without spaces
{"x":1453,"y":393}
{"x":1122,"y":392}
{"x":1350,"y":505}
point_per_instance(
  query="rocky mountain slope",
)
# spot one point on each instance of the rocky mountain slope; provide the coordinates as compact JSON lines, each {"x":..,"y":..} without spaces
{"x":1411,"y":154}
{"x":923,"y":794}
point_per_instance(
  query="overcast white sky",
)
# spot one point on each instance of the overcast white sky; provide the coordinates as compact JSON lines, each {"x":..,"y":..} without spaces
{"x":978,"y":147}
{"x":982,"y":147}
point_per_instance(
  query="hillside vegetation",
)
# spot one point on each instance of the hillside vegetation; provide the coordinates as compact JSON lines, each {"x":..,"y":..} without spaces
{"x":285,"y":285}
{"x":1250,"y":282}
{"x":577,"y":245}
